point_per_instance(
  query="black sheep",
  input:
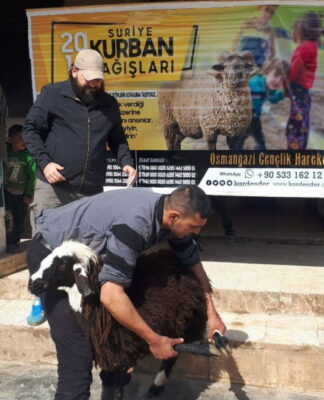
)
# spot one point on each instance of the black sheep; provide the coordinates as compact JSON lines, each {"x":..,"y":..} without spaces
{"x":168,"y":297}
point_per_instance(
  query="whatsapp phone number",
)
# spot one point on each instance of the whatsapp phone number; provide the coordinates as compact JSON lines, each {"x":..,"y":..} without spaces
{"x":291,"y":174}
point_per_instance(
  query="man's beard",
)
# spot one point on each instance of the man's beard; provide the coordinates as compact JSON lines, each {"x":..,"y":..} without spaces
{"x":86,"y":94}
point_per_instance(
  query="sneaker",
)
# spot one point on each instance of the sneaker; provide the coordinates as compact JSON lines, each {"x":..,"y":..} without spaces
{"x":37,"y":314}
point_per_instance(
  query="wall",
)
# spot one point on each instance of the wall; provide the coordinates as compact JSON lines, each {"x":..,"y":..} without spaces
{"x":2,"y":215}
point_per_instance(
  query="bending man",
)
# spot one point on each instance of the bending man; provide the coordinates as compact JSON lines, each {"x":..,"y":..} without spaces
{"x":118,"y":226}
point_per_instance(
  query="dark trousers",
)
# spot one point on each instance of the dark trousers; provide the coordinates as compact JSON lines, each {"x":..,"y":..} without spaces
{"x":74,"y":351}
{"x":15,"y":216}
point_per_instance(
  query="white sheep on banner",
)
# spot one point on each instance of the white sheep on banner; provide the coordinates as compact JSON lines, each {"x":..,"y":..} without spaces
{"x":217,"y":102}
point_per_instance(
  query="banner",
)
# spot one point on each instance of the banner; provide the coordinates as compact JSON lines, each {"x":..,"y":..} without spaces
{"x":224,"y":95}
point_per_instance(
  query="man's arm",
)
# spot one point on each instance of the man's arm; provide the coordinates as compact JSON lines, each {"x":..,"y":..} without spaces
{"x":119,"y":305}
{"x":187,"y":251}
{"x":36,"y":128}
{"x":214,"y":320}
{"x":118,"y":144}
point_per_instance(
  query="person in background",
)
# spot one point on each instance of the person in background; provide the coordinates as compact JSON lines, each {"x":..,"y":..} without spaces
{"x":67,"y":131}
{"x":19,"y":181}
{"x":303,"y":64}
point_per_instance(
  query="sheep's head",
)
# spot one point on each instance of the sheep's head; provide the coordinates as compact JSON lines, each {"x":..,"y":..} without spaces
{"x":53,"y":272}
{"x":65,"y":267}
{"x":234,"y":69}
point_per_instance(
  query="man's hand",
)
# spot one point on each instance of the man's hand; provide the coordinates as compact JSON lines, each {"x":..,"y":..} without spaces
{"x":52,"y":174}
{"x":215,"y":323}
{"x":214,"y":320}
{"x":162,"y":347}
{"x":132,"y":174}
{"x":119,"y":305}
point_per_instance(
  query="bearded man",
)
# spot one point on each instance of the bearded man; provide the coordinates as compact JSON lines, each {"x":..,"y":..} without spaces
{"x":67,"y":131}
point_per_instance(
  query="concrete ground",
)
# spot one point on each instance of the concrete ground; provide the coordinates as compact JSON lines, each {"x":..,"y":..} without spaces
{"x":37,"y":382}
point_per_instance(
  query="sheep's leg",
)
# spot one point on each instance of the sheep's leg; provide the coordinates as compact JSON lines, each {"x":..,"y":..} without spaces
{"x":235,"y":142}
{"x":161,"y":377}
{"x":173,"y":137}
{"x":211,"y":141}
{"x":113,"y":384}
{"x":112,"y":392}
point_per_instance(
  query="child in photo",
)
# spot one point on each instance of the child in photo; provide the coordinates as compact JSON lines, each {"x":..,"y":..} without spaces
{"x":266,"y":86}
{"x":303,"y":65}
{"x":19,"y":182}
{"x":257,"y":36}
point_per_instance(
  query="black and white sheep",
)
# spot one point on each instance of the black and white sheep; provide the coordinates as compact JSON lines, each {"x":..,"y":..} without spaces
{"x":209,"y":104}
{"x":168,"y":297}
{"x":66,"y":267}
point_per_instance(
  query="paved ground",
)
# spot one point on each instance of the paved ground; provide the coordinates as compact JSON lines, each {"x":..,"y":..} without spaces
{"x":34,"y":382}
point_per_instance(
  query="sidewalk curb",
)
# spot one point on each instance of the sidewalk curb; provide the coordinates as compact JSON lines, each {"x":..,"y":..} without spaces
{"x":266,"y":240}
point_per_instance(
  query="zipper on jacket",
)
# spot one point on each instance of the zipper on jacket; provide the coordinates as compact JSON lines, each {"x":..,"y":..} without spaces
{"x":87,"y":155}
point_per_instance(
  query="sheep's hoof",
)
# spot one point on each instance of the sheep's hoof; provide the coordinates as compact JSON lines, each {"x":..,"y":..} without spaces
{"x":111,"y":393}
{"x":154,"y":391}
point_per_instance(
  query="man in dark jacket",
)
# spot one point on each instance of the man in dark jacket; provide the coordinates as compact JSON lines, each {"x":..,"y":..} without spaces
{"x":67,"y":131}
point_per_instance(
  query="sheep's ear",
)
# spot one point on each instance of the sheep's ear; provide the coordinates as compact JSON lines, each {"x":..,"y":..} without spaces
{"x":218,"y":67}
{"x":250,"y":65}
{"x":223,"y":56}
{"x":247,"y":56}
{"x":217,"y":70}
{"x":253,"y":70}
{"x":82,"y":283}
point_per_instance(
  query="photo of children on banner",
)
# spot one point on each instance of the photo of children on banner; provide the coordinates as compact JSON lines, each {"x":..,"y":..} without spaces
{"x":277,"y":77}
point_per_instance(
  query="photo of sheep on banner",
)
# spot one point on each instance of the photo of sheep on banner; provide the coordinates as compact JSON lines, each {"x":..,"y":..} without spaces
{"x":215,"y":103}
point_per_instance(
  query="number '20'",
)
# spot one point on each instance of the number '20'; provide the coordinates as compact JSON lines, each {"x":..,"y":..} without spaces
{"x":73,"y":43}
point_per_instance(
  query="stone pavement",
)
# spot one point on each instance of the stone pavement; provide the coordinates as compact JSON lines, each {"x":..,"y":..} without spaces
{"x":269,"y":295}
{"x":37,"y":382}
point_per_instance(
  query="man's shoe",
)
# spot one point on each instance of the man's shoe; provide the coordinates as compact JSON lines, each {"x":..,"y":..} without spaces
{"x":37,"y":314}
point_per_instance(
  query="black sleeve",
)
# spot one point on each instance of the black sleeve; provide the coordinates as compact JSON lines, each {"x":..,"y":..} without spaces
{"x":36,"y":128}
{"x":186,"y":250}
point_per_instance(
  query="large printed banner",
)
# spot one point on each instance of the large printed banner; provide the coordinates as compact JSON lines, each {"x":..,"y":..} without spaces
{"x":226,"y":96}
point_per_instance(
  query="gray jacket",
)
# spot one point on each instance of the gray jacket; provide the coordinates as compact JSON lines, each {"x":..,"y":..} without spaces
{"x":117,"y":225}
